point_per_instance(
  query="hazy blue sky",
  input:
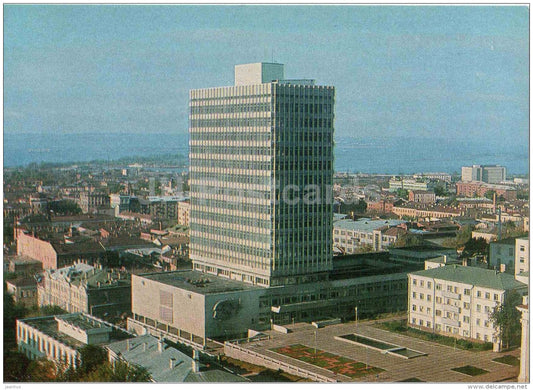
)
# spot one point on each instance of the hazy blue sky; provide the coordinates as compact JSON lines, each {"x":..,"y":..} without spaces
{"x":429,"y":71}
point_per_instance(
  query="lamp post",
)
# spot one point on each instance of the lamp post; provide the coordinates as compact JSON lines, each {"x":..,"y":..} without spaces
{"x":315,"y":344}
{"x":356,"y":318}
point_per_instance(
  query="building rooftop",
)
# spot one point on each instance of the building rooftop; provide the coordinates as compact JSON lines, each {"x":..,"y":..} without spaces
{"x":366,"y":224}
{"x":198,"y":282}
{"x":144,"y":351}
{"x":49,"y":326}
{"x":474,"y":276}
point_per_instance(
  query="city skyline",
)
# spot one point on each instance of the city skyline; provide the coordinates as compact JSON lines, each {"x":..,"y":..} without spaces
{"x":413,"y":71}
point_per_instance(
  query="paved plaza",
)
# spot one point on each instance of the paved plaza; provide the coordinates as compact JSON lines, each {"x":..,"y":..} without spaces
{"x":436,"y":366}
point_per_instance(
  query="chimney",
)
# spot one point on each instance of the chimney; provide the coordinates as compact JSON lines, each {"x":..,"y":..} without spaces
{"x":128,"y":345}
{"x":502,"y":267}
{"x":160,"y":345}
{"x":144,"y":347}
{"x":172,"y":363}
{"x":445,"y":259}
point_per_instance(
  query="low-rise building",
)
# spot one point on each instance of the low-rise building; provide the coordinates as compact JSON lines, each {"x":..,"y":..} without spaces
{"x":458,"y":301}
{"x":57,"y":252}
{"x":93,"y":201}
{"x":502,"y":255}
{"x":165,"y":363}
{"x":58,"y":338}
{"x":217,"y":307}
{"x":411,"y":184}
{"x":84,"y":288}
{"x":23,"y":290}
{"x":23,"y":265}
{"x":478,"y":188}
{"x":349,"y":235}
{"x":414,"y":210}
{"x":425,"y":197}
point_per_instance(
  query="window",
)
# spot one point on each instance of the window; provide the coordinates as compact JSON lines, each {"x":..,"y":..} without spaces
{"x":414,"y":282}
{"x":414,"y":308}
{"x":466,"y":319}
{"x":438,"y":299}
{"x":478,"y":322}
{"x":487,"y":295}
{"x":429,"y":284}
{"x":466,"y":305}
{"x":428,"y":297}
{"x":438,"y":286}
{"x":438,"y":313}
{"x":421,"y":283}
{"x":496,"y":297}
{"x":421,"y":296}
{"x":466,"y":292}
{"x":478,"y":294}
{"x":449,"y":288}
{"x":478,"y":308}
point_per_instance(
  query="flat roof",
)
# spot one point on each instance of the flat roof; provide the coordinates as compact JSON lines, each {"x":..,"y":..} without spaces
{"x":365,"y":224}
{"x":199,"y":282}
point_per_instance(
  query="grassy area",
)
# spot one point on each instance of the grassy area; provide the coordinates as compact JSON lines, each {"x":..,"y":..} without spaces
{"x":257,"y":373}
{"x":470,"y":370}
{"x":402,"y":328}
{"x":508,"y":359}
{"x":328,"y":361}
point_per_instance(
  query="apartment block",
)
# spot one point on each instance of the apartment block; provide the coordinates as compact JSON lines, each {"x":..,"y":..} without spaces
{"x":457,"y":301}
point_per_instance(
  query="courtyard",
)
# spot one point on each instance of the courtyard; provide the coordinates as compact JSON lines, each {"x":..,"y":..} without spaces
{"x":322,"y":351}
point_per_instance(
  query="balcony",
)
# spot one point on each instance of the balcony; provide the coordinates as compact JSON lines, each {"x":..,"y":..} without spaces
{"x":451,"y":295}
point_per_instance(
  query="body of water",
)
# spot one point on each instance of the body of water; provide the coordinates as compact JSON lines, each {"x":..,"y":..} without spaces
{"x":394,"y":155}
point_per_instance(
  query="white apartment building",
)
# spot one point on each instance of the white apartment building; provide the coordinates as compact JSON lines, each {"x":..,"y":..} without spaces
{"x":349,"y":235}
{"x":457,"y":301}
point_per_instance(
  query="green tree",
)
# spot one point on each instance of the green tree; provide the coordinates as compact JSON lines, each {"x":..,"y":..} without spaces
{"x":118,"y":372}
{"x":408,"y":240}
{"x":15,"y":366}
{"x":90,"y":357}
{"x":506,"y":319}
{"x":475,"y":246}
{"x":489,"y":194}
{"x":440,"y":191}
{"x":402,"y":193}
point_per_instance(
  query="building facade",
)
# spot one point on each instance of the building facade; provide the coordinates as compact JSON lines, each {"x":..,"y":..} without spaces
{"x":418,"y":196}
{"x":87,"y":289}
{"x":458,"y":301}
{"x":261,"y":155}
{"x":350,"y":236}
{"x":521,"y":255}
{"x":486,"y":173}
{"x":58,"y":338}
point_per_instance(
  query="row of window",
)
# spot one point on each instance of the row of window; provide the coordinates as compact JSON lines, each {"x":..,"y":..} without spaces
{"x":230,"y":108}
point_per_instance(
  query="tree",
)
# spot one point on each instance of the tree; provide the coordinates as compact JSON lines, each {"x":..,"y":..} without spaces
{"x":118,"y":372}
{"x":408,"y":240}
{"x":402,"y":193}
{"x":506,"y":319}
{"x":15,"y":366}
{"x":489,"y":194}
{"x":475,"y":246}
{"x":439,"y":190}
{"x":90,"y":357}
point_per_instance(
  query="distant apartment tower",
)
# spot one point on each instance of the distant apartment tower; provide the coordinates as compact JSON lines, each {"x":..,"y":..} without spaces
{"x":256,"y":148}
{"x":486,"y":173}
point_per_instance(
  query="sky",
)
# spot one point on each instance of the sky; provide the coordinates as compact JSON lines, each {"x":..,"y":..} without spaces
{"x":409,"y":71}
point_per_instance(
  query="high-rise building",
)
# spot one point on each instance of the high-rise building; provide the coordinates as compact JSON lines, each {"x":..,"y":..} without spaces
{"x":492,"y":174}
{"x":261,"y":169}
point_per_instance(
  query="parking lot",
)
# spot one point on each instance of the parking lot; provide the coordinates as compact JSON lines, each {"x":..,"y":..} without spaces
{"x":436,"y":366}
